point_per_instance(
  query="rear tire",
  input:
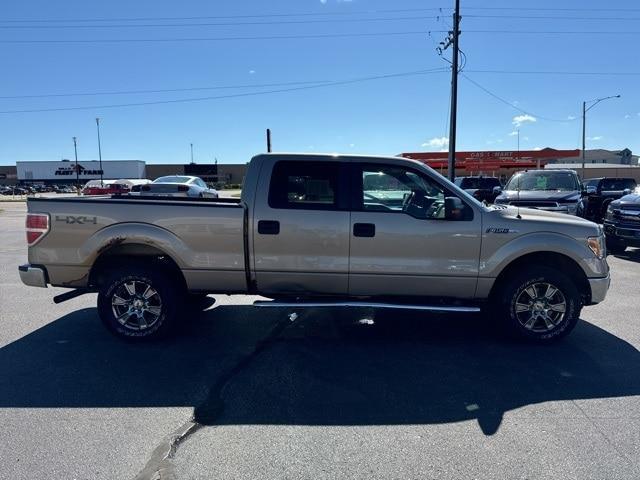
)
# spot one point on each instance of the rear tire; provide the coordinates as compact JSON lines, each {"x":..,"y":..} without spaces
{"x":139,"y":303}
{"x":540,"y":304}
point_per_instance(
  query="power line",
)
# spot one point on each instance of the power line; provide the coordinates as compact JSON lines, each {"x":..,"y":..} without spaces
{"x":165,"y":90}
{"x":551,"y":72}
{"x":311,"y":36}
{"x":220,"y":24}
{"x":223,"y":17}
{"x":219,"y":39}
{"x":515,"y":107}
{"x":549,"y":17}
{"x":235,"y":95}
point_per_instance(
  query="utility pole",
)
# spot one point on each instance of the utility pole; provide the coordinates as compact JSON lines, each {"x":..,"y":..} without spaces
{"x":191,"y":152}
{"x":453,"y":41}
{"x":593,"y":103}
{"x":269,"y":140}
{"x":75,"y":149}
{"x":99,"y":152}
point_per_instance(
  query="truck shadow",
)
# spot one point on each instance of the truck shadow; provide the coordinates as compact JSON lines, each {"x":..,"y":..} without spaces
{"x":328,"y":367}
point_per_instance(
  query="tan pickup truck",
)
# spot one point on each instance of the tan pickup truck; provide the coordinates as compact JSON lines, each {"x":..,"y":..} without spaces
{"x":320,"y":230}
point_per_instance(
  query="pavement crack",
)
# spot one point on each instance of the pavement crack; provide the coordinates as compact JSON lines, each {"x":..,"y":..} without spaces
{"x":160,"y":466}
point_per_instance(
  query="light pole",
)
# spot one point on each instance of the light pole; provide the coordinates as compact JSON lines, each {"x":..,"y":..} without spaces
{"x":99,"y":151}
{"x":592,"y":103}
{"x":191,"y":153}
{"x":75,"y":149}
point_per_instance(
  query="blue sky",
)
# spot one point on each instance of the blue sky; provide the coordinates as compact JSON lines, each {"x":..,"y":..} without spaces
{"x":385,"y":116}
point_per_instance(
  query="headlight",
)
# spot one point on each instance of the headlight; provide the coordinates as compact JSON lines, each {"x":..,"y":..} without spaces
{"x":595,"y":244}
{"x":609,"y":214}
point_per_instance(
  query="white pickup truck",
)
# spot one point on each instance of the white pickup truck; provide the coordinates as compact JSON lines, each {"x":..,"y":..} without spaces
{"x":320,"y":230}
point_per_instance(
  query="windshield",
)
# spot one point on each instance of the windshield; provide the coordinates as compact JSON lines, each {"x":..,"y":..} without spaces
{"x":172,"y":179}
{"x":544,"y":180}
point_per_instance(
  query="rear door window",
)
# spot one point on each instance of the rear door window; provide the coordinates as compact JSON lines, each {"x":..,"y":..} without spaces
{"x":305,"y":185}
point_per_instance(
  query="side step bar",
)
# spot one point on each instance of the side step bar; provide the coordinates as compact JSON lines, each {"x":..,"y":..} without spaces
{"x":400,"y":306}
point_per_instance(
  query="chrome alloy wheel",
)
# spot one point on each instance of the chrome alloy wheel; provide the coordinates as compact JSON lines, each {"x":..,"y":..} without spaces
{"x":540,"y":307}
{"x":136,"y":305}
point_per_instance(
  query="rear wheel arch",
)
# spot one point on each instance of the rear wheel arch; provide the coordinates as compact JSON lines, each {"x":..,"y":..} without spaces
{"x":133,"y":254}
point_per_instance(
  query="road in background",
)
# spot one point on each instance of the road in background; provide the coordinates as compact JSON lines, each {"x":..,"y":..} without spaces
{"x":331,"y":394}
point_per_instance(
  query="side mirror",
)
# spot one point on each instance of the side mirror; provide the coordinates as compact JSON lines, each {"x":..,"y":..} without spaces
{"x":497,"y":190}
{"x":453,"y":208}
{"x":626,"y":191}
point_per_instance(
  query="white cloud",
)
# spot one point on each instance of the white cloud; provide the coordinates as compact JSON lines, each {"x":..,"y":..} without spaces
{"x":518,"y":120}
{"x":513,"y":134}
{"x":251,"y":72}
{"x":596,"y":138}
{"x":537,"y":149}
{"x":571,"y":117}
{"x":352,"y":145}
{"x":627,"y":116}
{"x":436,"y":142}
{"x":323,"y":1}
{"x":526,"y":139}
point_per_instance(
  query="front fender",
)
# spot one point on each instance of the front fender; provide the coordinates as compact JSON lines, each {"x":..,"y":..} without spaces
{"x":495,"y":260}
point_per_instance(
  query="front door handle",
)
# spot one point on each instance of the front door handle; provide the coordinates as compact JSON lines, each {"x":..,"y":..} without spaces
{"x":364,"y":230}
{"x":268,"y":227}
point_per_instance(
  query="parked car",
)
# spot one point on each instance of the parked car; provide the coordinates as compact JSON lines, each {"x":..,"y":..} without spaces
{"x":551,"y":190}
{"x":314,"y":230}
{"x":599,"y":192}
{"x":622,"y":223}
{"x":106,"y":187}
{"x":483,"y":188}
{"x":179,"y":186}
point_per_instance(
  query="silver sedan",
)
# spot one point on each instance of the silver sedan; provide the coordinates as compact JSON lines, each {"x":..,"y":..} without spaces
{"x":179,"y":185}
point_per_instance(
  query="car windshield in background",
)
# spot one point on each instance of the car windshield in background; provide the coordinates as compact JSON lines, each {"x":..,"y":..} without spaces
{"x":484,"y":183}
{"x":617,"y":184}
{"x":544,"y":180}
{"x":172,"y":179}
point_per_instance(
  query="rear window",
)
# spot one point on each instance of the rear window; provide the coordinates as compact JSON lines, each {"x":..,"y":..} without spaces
{"x":304,"y":185}
{"x":172,"y":179}
{"x":612,"y":184}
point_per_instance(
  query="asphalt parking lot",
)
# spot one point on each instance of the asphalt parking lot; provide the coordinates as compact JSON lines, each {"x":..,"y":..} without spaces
{"x":251,"y":393}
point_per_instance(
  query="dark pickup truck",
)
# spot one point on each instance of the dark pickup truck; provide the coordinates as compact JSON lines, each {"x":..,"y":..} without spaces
{"x":622,"y":223}
{"x":600,"y":192}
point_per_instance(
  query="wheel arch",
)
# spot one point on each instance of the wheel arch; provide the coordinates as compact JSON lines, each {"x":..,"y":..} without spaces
{"x":127,"y":254}
{"x":555,"y":260}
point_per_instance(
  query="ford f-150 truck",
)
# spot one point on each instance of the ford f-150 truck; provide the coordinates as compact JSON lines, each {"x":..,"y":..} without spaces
{"x":320,"y":230}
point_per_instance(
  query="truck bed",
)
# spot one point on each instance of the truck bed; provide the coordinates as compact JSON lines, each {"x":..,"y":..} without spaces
{"x":204,"y":237}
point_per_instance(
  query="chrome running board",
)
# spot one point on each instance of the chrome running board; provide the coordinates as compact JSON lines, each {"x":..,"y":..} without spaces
{"x":400,"y":306}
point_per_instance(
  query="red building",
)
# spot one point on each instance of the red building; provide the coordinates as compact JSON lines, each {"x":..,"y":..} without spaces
{"x":492,"y":162}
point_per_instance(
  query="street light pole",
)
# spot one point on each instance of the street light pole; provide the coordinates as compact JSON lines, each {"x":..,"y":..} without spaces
{"x":593,"y":103}
{"x":99,"y":151}
{"x":191,"y":152}
{"x":75,"y":149}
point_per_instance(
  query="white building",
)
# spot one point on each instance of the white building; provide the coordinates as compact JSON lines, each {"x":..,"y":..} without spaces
{"x":64,"y":171}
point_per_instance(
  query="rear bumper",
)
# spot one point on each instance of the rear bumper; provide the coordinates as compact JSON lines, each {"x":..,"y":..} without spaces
{"x":32,"y":275}
{"x":599,"y":288}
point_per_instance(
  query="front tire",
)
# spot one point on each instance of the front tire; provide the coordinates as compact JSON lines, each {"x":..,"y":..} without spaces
{"x":540,"y":304}
{"x":138,"y":303}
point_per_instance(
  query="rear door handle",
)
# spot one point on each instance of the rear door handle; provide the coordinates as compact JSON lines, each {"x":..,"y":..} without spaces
{"x":268,"y":227}
{"x":364,"y":230}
